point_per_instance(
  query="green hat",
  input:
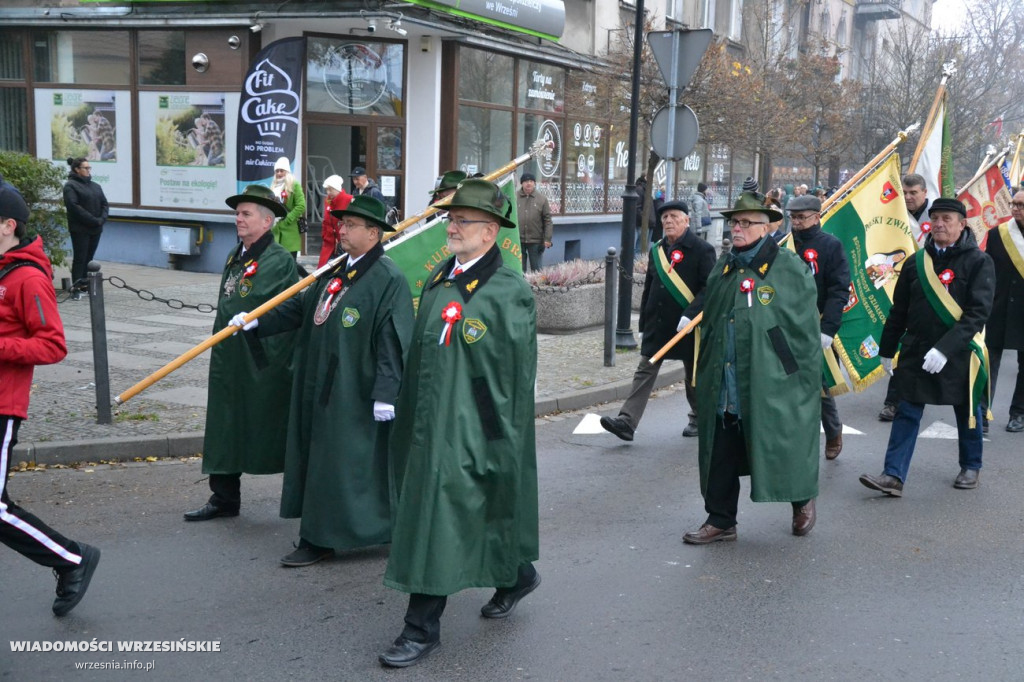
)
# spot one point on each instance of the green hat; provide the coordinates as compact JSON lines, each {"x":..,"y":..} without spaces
{"x":365,"y":206}
{"x":449,"y":180}
{"x":258,"y":194}
{"x":752,"y":201}
{"x":483,"y":196}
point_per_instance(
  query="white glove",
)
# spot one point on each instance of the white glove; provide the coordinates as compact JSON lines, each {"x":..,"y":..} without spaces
{"x":887,"y":365}
{"x":934,"y":361}
{"x":383,"y":412}
{"x":239,"y":321}
{"x":826,"y":341}
{"x":683,"y":321}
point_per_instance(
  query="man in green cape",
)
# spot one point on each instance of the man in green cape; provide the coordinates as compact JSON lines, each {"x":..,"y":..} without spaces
{"x":250,"y":381}
{"x":354,"y":326}
{"x":463,"y":449}
{"x":758,"y":377}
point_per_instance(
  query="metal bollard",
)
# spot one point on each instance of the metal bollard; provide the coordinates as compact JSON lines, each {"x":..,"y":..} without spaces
{"x":611,"y":282}
{"x":98,"y":318}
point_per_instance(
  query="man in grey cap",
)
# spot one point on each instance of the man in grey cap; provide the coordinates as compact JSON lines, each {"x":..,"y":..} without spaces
{"x":535,"y":228}
{"x":824,"y":255}
{"x":363,"y":185}
{"x":673,"y":295}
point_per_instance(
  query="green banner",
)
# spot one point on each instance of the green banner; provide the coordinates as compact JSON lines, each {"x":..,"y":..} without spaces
{"x":420,"y":252}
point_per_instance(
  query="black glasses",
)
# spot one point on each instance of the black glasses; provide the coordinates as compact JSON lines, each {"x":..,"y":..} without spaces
{"x":744,"y":224}
{"x":1017,"y":204}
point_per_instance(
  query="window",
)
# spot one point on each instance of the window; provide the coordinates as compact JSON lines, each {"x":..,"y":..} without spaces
{"x":541,"y":87}
{"x":485,"y":77}
{"x":11,"y":67}
{"x":354,"y":77}
{"x":485,"y":139}
{"x":161,"y":57}
{"x":14,"y":115}
{"x":81,"y":57}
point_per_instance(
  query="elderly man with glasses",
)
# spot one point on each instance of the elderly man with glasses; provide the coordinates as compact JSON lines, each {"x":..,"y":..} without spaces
{"x":758,"y":378}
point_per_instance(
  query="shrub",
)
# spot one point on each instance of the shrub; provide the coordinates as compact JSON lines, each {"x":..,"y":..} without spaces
{"x":42,"y":185}
{"x":576,"y":272}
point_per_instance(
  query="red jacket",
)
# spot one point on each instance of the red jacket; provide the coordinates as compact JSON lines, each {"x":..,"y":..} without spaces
{"x":330,"y":225}
{"x":31,"y":332}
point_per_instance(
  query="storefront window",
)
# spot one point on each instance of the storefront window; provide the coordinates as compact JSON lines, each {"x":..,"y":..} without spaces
{"x":548,"y":166}
{"x":719,"y":176}
{"x":389,"y":148}
{"x":162,"y":57}
{"x":11,"y":67}
{"x":584,"y":167}
{"x":618,"y":161}
{"x":81,"y":57}
{"x":541,"y":87}
{"x":485,"y":77}
{"x":485,"y":139}
{"x":14,"y":114}
{"x":354,"y":77}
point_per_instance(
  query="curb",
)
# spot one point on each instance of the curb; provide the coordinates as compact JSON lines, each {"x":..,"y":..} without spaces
{"x":188,"y":444}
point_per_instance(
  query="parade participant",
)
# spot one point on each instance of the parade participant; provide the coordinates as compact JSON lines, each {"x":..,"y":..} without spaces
{"x":288,"y":191}
{"x":826,"y":260}
{"x":463,"y":447}
{"x":942,"y":299}
{"x":758,"y":378}
{"x":446,"y":185}
{"x":250,"y":381}
{"x":1005,"y":328}
{"x":336,"y":199}
{"x":673,"y":295}
{"x":915,"y":196}
{"x":356,"y":323}
{"x":535,"y":227}
{"x":31,"y":334}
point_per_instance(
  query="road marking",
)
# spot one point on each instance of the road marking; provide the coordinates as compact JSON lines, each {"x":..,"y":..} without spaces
{"x":847,"y":431}
{"x":589,"y":425}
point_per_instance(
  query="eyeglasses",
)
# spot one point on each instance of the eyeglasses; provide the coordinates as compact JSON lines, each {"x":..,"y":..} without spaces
{"x":462,"y":222}
{"x":1017,"y":204}
{"x":84,"y":167}
{"x":349,"y":224}
{"x":801,"y":216}
{"x":744,"y":224}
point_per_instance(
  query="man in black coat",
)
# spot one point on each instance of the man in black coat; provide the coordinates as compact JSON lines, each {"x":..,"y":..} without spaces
{"x":677,"y":272}
{"x":942,"y":300}
{"x":826,"y":258}
{"x":1005,"y":329}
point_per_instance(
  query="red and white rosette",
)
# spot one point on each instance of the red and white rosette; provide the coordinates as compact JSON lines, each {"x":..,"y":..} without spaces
{"x":811,"y":256}
{"x":250,"y":269}
{"x":926,"y":227}
{"x":746,"y":287}
{"x":946,"y":277}
{"x":676,"y":257}
{"x":451,"y":314}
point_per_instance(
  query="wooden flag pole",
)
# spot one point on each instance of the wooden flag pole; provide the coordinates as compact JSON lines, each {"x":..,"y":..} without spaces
{"x":677,"y":338}
{"x":535,"y":149}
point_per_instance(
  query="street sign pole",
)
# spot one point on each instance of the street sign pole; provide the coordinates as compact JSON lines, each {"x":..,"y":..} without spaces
{"x":673,"y":92}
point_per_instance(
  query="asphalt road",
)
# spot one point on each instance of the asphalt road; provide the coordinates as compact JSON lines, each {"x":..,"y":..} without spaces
{"x":927,"y":587}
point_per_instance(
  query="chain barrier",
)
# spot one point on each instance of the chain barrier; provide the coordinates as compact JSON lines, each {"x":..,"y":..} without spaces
{"x":145,"y":295}
{"x":628,"y":275}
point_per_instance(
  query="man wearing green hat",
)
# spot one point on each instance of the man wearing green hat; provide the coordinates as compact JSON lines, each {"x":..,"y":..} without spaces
{"x":355,"y":325}
{"x":250,"y":381}
{"x":446,"y":185}
{"x":758,"y":369}
{"x":463,"y":449}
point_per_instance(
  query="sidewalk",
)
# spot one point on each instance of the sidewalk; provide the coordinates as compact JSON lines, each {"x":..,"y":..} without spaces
{"x":168,"y":418}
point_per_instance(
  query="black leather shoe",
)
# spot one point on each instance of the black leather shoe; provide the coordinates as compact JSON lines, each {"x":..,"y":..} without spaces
{"x":306,"y":555}
{"x":888,"y":413}
{"x":691,"y":430}
{"x":618,"y":426}
{"x":967,"y":479}
{"x":1016,"y":424}
{"x":504,"y":601}
{"x":890,"y":485}
{"x":72,"y":584}
{"x":209,"y":511}
{"x":405,"y":652}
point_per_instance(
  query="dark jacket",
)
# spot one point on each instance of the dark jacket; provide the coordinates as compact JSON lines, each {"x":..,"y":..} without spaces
{"x":372,"y":190}
{"x":1005,"y":329}
{"x":831,"y":274}
{"x":914,"y":328}
{"x":659,"y":312}
{"x":86,"y":204}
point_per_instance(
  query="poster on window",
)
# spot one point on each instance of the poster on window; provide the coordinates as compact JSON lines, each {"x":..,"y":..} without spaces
{"x":187,"y":149}
{"x":94,"y":124}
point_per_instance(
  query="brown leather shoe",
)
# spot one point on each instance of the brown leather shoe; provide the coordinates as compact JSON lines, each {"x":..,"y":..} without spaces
{"x":833,"y":446}
{"x":804,"y":518}
{"x":707,"y":534}
{"x":890,"y":485}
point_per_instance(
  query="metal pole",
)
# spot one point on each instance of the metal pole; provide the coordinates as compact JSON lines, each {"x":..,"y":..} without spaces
{"x":673,"y":93}
{"x":99,"y":344}
{"x":623,"y":334}
{"x":610,"y":283}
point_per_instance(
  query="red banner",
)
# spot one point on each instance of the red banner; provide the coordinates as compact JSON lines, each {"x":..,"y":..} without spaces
{"x":988,"y":203}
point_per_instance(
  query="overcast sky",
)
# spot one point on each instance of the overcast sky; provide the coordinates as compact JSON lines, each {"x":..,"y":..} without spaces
{"x":947,"y":13}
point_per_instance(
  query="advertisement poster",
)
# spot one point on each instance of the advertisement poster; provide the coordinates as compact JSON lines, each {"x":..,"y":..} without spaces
{"x":95,"y":124}
{"x":186,"y":149}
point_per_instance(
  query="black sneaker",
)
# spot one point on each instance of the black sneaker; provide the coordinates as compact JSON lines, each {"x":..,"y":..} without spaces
{"x":72,"y":583}
{"x":306,"y":555}
{"x":618,"y":426}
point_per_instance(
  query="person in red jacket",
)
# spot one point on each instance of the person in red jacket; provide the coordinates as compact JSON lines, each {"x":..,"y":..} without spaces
{"x":31,"y":334}
{"x":337,"y":200}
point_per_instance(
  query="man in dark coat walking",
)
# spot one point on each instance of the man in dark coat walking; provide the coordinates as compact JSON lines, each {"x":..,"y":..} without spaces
{"x":826,"y":259}
{"x":1005,"y":329}
{"x":942,"y":299}
{"x":677,"y":272}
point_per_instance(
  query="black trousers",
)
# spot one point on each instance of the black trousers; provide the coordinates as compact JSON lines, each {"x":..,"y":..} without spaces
{"x":721,"y":501}
{"x":227,"y":491}
{"x":423,"y":617}
{"x":84,"y":246}
{"x":20,"y":530}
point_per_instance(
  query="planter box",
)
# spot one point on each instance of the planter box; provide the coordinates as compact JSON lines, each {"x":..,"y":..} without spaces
{"x":574,"y":309}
